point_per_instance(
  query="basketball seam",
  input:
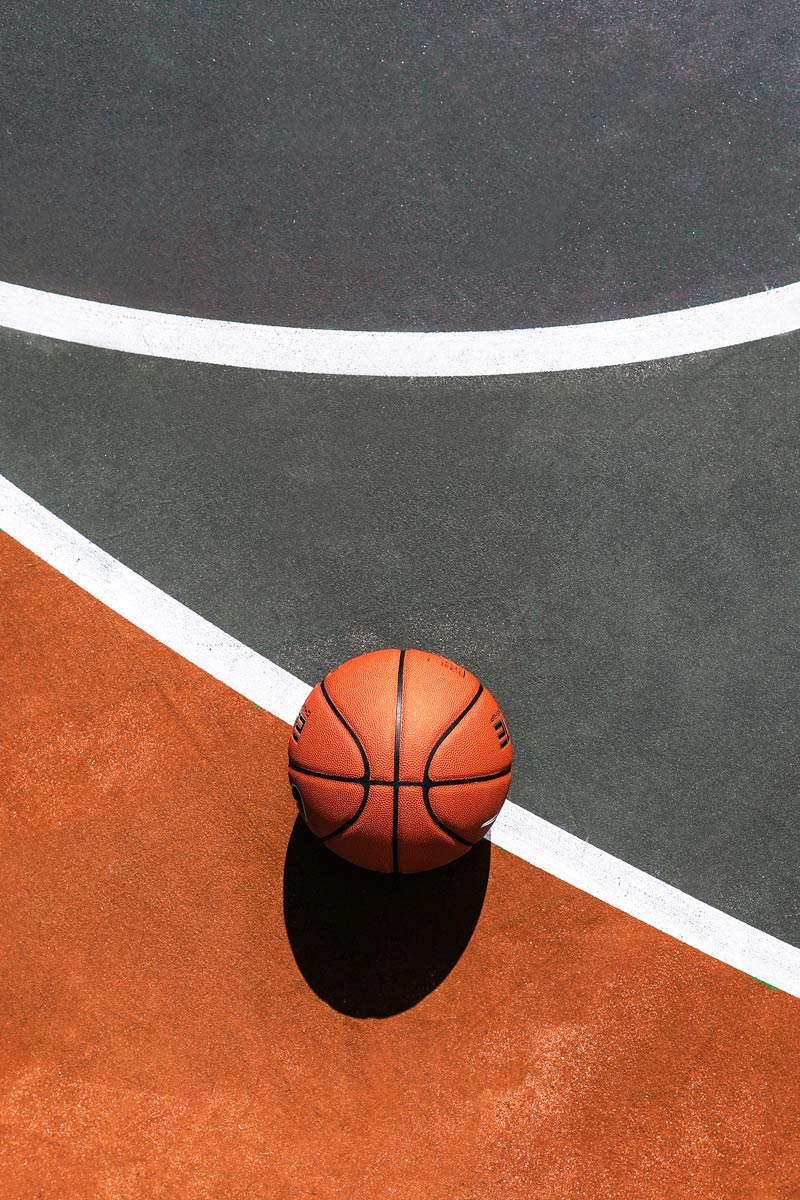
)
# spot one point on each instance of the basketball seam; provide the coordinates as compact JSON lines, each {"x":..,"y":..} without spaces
{"x":364,"y":781}
{"x":403,"y":782}
{"x":426,"y":780}
{"x":398,"y":718}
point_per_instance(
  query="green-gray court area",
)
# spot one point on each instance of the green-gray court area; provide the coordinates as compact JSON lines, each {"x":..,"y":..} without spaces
{"x":426,"y":165}
{"x":615,"y":553}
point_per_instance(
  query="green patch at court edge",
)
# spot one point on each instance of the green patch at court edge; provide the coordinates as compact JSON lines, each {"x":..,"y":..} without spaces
{"x":771,"y":986}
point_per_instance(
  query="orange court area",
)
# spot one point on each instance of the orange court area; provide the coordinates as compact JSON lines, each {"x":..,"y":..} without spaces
{"x":199,"y":1001}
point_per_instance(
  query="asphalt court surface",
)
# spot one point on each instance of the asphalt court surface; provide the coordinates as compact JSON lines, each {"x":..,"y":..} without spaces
{"x":613,"y":552}
{"x":409,"y":166}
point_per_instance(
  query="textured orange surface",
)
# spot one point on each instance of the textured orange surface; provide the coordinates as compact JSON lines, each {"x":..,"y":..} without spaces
{"x":158,"y":1039}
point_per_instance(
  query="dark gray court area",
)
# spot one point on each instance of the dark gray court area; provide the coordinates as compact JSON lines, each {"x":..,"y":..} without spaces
{"x":615,"y":553}
{"x":400,"y":166}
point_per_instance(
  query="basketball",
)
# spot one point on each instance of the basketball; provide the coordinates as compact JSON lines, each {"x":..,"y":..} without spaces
{"x":399,"y":760}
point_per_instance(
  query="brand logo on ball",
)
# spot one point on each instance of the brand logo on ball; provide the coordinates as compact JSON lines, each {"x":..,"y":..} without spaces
{"x":298,"y":727}
{"x":447,"y":664}
{"x":500,"y":730}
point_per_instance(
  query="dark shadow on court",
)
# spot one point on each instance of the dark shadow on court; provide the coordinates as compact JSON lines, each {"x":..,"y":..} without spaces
{"x":373,"y":945}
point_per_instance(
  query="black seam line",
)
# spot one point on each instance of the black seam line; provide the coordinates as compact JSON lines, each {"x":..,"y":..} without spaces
{"x":333,"y":778}
{"x":432,"y":783}
{"x":473,"y":779}
{"x":398,"y":717}
{"x":426,"y":780}
{"x":364,"y":781}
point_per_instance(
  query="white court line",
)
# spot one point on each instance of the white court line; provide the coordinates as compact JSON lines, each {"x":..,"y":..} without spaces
{"x":412,"y":355}
{"x":147,"y":607}
{"x":537,"y":841}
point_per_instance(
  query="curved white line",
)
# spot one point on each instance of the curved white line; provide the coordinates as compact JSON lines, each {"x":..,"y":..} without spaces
{"x":528,"y":836}
{"x":413,"y":355}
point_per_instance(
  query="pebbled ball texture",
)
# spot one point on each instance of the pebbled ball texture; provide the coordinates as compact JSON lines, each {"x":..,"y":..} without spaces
{"x":399,"y":760}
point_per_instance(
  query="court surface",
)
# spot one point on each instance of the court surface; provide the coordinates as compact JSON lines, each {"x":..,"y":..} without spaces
{"x":473,"y":330}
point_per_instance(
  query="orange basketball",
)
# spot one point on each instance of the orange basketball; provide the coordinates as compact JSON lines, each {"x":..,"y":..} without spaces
{"x":399,"y":760}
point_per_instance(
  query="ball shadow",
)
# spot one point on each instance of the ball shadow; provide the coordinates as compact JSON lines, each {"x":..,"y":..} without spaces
{"x":373,"y":945}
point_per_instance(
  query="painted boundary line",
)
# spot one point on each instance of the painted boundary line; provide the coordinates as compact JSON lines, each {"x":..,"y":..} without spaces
{"x":529,"y":837}
{"x":145,"y":606}
{"x":411,"y":355}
